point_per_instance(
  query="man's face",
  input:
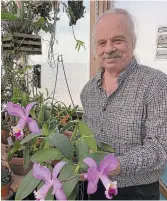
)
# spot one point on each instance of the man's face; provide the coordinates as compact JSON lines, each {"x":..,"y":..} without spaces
{"x":114,"y":42}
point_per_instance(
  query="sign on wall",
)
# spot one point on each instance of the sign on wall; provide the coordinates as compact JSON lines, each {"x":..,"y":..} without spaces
{"x":161,"y":52}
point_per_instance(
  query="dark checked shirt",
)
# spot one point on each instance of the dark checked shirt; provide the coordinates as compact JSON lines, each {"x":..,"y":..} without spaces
{"x":133,"y":120}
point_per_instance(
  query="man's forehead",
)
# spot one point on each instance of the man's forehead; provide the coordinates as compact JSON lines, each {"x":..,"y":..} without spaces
{"x":111,"y":26}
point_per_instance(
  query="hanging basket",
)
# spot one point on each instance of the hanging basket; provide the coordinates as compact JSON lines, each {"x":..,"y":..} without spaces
{"x":28,"y":43}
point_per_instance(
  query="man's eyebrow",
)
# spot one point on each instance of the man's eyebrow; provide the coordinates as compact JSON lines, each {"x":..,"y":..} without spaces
{"x":120,"y":36}
{"x":100,"y":40}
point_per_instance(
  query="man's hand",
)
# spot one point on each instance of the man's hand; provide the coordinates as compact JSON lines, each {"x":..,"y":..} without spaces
{"x":68,"y":134}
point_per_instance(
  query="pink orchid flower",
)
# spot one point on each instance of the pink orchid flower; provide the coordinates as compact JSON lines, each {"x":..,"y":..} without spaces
{"x":95,"y":173}
{"x":23,"y":113}
{"x":18,"y":133}
{"x":50,"y":179}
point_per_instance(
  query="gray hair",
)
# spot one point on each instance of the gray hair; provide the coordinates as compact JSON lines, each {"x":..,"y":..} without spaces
{"x":118,"y":11}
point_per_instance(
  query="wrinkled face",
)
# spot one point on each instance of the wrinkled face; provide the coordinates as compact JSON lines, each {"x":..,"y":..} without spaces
{"x":114,"y":42}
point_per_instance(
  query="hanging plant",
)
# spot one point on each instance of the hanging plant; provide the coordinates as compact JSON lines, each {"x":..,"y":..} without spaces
{"x":75,"y":10}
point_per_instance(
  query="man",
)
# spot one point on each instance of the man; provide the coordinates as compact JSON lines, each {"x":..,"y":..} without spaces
{"x":125,"y":105}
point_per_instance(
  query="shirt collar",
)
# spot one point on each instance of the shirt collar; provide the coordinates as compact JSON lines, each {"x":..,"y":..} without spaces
{"x":122,"y":75}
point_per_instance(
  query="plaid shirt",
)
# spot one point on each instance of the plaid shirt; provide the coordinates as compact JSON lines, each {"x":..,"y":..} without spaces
{"x":133,"y":120}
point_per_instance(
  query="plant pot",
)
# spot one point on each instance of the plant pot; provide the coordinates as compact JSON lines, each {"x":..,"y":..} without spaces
{"x":5,"y":190}
{"x":16,"y":166}
{"x":4,"y":136}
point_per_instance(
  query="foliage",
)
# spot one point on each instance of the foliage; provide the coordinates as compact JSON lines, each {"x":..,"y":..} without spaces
{"x":52,"y":145}
{"x":31,"y":17}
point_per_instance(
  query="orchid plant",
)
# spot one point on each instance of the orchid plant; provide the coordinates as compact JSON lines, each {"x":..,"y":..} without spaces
{"x":78,"y":155}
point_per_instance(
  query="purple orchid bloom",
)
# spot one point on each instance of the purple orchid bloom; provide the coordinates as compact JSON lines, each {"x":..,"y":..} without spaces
{"x":108,"y":164}
{"x":23,"y":113}
{"x":50,"y":179}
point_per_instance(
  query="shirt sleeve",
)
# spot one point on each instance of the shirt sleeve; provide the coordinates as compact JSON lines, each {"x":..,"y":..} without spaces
{"x":152,"y":155}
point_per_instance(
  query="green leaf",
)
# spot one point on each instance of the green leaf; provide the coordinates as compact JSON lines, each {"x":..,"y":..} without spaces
{"x":46,"y":155}
{"x":15,"y":147}
{"x":88,"y":136}
{"x":39,"y":23}
{"x":81,"y":148}
{"x":30,"y":137}
{"x":69,"y":179}
{"x":67,"y":126}
{"x":28,"y":184}
{"x":45,"y":129}
{"x":26,"y":156}
{"x":9,"y":16}
{"x":74,"y":134}
{"x":63,"y":144}
{"x":74,"y":193}
{"x":106,"y":147}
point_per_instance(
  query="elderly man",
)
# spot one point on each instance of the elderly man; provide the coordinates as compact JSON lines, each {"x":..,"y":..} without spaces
{"x":125,"y":105}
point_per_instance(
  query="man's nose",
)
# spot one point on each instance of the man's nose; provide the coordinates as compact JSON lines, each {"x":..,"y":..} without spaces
{"x":109,"y":48}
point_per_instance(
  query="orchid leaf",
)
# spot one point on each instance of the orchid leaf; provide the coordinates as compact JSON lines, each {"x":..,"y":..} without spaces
{"x":87,"y":135}
{"x":106,"y":147}
{"x":74,"y":193}
{"x":67,"y":126}
{"x":69,"y":179}
{"x":46,"y":155}
{"x":30,"y":137}
{"x":15,"y":147}
{"x":28,"y":184}
{"x":81,"y":148}
{"x":63,"y":144}
{"x":9,"y":16}
{"x":26,"y":156}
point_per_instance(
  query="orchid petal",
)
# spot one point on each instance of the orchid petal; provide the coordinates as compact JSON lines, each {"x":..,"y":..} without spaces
{"x":15,"y":110}
{"x":111,"y":187}
{"x":58,"y":189}
{"x":92,"y":174}
{"x":21,"y":123}
{"x":90,"y":162}
{"x":92,"y":186}
{"x":108,"y":164}
{"x":41,"y":172}
{"x":42,"y":192}
{"x":57,"y":168}
{"x":29,"y":107}
{"x":33,"y":126}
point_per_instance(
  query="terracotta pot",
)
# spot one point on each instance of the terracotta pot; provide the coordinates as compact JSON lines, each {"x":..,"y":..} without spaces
{"x":16,"y":165}
{"x":4,"y":136}
{"x":5,"y":190}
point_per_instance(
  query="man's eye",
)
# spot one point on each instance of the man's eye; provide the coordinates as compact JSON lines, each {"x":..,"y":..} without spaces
{"x":118,"y":40}
{"x":102,"y":43}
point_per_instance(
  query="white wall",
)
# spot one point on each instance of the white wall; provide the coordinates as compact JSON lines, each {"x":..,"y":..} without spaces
{"x":148,"y":15}
{"x":76,"y":63}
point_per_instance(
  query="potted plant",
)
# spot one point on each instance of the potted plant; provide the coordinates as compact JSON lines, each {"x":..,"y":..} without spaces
{"x":6,"y":179}
{"x":70,"y":155}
